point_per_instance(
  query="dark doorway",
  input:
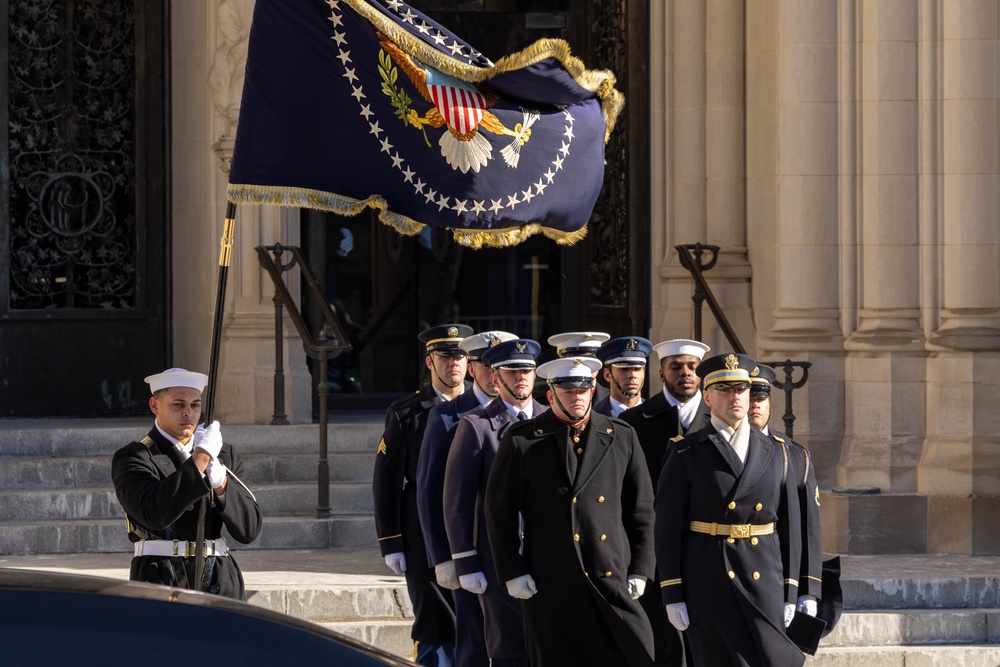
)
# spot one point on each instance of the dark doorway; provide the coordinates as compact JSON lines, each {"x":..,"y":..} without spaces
{"x":389,"y":288}
{"x":84,"y":206}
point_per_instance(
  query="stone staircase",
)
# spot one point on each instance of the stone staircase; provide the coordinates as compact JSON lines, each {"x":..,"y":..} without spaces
{"x":56,"y":494}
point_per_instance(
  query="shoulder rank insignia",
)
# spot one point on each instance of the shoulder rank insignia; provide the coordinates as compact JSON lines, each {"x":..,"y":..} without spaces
{"x":381,"y":447}
{"x":677,"y":438}
{"x":777,"y":438}
{"x":817,"y":496}
{"x":611,"y":430}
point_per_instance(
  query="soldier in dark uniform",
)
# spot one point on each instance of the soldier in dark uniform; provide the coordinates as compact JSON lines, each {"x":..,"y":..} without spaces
{"x":580,"y":484}
{"x":676,"y":410}
{"x":159,"y":481}
{"x":470,"y":646}
{"x":801,"y":470}
{"x":396,"y":519}
{"x":728,"y":547}
{"x":469,"y":463}
{"x":581,"y":344}
{"x":624,"y":362}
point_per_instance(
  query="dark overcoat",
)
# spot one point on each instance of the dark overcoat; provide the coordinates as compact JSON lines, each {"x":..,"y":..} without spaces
{"x":801,"y":471}
{"x":587,"y":526}
{"x":442,"y":420}
{"x":735,"y":589}
{"x":397,"y":522}
{"x":469,"y":463}
{"x":655,"y":422}
{"x":160,"y":499}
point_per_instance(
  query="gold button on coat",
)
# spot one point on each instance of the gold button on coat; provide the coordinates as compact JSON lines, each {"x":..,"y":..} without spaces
{"x":600,"y":499}
{"x":756,"y":575}
{"x":732,"y":505}
{"x":759,"y":507}
{"x":603,"y":538}
{"x":730,"y":540}
{"x":576,"y":538}
{"x":608,"y":573}
{"x":732,"y":575}
{"x":574,"y":499}
{"x":579,"y":450}
{"x":753,"y":541}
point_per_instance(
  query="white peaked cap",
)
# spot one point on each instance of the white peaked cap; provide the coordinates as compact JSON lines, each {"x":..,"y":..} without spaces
{"x":177,"y":377}
{"x":578,"y":339}
{"x":568,"y":369}
{"x":680,"y":346}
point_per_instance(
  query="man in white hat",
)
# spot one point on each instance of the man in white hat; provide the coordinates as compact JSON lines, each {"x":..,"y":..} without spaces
{"x":578,"y":480}
{"x":677,"y":410}
{"x":159,"y":481}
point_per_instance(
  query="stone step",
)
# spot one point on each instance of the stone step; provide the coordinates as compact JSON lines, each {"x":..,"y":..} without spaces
{"x":907,"y":656}
{"x":95,"y":471}
{"x":951,"y":589}
{"x":354,"y":432}
{"x":390,"y":636}
{"x":915,"y":627}
{"x":86,"y":536}
{"x":101,"y":503}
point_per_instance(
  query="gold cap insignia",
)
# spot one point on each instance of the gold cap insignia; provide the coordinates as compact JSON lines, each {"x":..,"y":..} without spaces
{"x":587,"y":336}
{"x":520,"y":346}
{"x":755,"y":372}
{"x":631,"y":344}
{"x":577,"y":362}
{"x":494,"y":342}
{"x":732,"y":362}
{"x":452,"y":331}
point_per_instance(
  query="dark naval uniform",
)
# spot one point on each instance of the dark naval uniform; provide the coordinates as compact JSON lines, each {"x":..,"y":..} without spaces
{"x":587,"y":526}
{"x":469,"y":463}
{"x":160,"y":498}
{"x":655,"y":422}
{"x":736,"y":582}
{"x":396,"y":519}
{"x":800,"y":471}
{"x":470,"y":644}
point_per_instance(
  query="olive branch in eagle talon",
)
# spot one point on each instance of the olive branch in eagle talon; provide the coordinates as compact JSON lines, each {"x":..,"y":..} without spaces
{"x":398,"y":97}
{"x":462,"y":146}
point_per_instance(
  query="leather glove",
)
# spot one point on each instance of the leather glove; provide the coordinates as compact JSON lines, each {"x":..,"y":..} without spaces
{"x":446,"y":575}
{"x":215,"y":473}
{"x":807,"y":605}
{"x":636,"y":585}
{"x":396,"y":562}
{"x":522,"y":587}
{"x":474,"y":583}
{"x":789,"y":613}
{"x":209,"y":439}
{"x":677,"y":614}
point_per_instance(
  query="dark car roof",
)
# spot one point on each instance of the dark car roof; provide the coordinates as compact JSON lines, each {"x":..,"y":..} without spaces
{"x":51,"y":618}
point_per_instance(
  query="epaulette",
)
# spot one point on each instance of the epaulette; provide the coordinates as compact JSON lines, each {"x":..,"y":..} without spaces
{"x":677,"y":438}
{"x":782,"y":440}
{"x":148,"y":442}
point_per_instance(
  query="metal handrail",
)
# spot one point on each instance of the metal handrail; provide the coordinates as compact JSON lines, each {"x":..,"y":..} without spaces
{"x":690,"y":256}
{"x":330,"y":343}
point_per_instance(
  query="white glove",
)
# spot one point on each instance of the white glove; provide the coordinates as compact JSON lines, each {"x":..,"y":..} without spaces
{"x":209,"y":439}
{"x":446,"y":575}
{"x":474,"y":583}
{"x":522,"y":588}
{"x":807,"y":605}
{"x":396,"y":562}
{"x":215,"y":473}
{"x":789,"y":613}
{"x":636,"y":586}
{"x":346,"y":242}
{"x":677,"y":614}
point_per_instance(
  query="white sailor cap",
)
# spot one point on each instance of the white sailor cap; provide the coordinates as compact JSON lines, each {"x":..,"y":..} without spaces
{"x":570,"y":371}
{"x":575,"y":343}
{"x":680,"y":346}
{"x":176,"y":377}
{"x":478,"y":343}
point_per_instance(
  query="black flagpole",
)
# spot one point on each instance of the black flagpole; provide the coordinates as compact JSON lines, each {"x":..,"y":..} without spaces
{"x":225,"y":254}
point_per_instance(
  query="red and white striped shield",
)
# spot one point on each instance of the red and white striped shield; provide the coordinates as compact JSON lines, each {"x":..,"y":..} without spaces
{"x":461,"y":105}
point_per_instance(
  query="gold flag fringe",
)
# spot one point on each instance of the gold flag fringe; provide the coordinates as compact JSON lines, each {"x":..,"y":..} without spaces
{"x":601,"y":82}
{"x":327,"y":201}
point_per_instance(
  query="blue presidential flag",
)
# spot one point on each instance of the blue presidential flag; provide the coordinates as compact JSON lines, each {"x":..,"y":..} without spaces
{"x":350,"y":104}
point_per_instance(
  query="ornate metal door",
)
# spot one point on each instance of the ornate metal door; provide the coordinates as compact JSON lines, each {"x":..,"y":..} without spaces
{"x":83,"y":206}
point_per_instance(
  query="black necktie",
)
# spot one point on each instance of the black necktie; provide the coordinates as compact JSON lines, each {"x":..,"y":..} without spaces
{"x":521,"y":416}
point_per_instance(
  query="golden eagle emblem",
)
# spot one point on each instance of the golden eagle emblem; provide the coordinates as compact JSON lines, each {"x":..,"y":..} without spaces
{"x":732,"y":362}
